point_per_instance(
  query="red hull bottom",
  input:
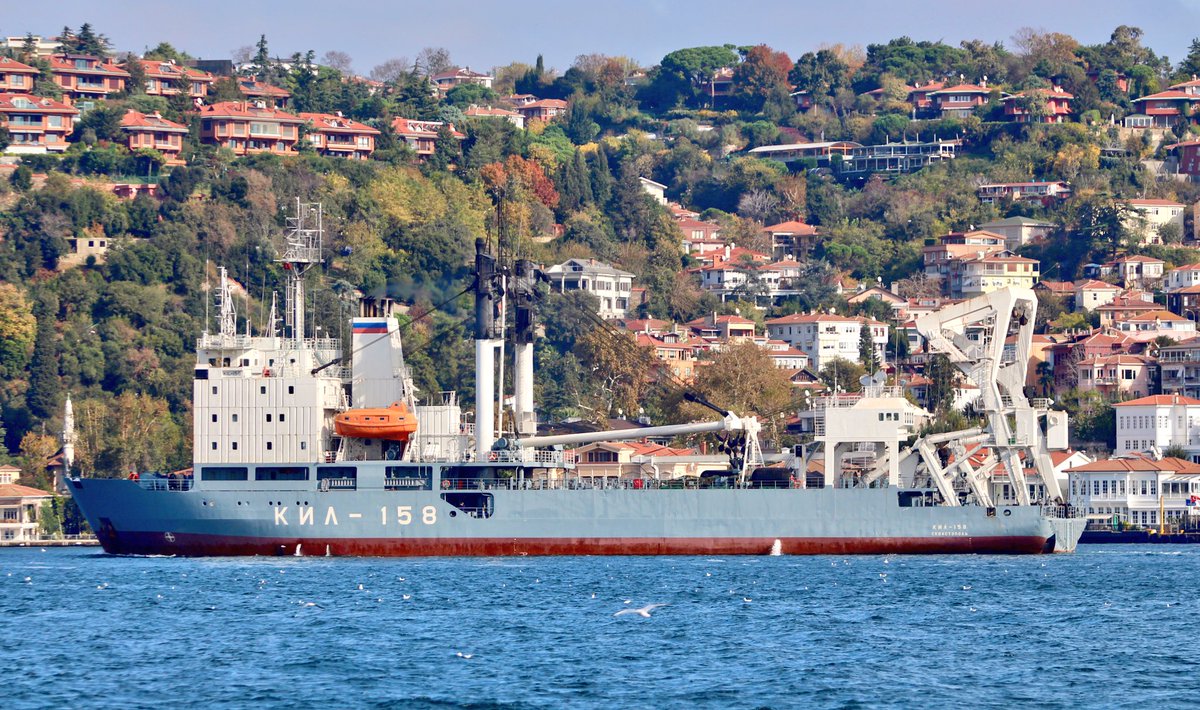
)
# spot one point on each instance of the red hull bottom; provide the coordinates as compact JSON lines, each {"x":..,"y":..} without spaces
{"x":128,"y":543}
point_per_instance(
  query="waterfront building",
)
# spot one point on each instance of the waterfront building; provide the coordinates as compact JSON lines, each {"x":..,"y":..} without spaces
{"x":1137,"y":489}
{"x":20,"y":512}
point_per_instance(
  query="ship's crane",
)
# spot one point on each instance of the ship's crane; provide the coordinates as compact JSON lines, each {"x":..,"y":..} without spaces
{"x":988,"y":338}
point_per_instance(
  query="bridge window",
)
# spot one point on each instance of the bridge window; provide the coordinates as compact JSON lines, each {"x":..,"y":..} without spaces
{"x":224,"y":473}
{"x":281,"y":473}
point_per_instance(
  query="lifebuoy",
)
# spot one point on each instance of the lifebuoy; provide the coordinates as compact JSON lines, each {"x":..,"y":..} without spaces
{"x":266,"y":372}
{"x":492,"y":456}
{"x":446,"y":484}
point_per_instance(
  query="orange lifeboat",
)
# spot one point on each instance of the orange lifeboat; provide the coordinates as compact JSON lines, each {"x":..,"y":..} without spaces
{"x":394,"y":423}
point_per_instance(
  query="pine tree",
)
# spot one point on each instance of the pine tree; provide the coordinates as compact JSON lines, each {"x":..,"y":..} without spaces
{"x":90,"y":43}
{"x":28,"y":47}
{"x":136,"y":83}
{"x":262,"y":59}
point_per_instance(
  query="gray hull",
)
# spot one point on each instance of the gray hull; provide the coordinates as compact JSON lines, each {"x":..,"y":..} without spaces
{"x":131,"y":517}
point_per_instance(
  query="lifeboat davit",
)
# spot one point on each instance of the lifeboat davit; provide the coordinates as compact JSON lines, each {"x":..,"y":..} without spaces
{"x":394,"y":423}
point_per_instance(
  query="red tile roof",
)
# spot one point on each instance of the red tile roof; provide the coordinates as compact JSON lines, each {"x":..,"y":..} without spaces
{"x":332,"y":123}
{"x":157,"y":69}
{"x":245,"y":109}
{"x":1139,"y":462}
{"x":1094,"y":285}
{"x":791,"y":227}
{"x":134,"y":120}
{"x":16,"y":490}
{"x":65,"y":64}
{"x":12,"y":66}
{"x":1158,"y":400}
{"x":253,"y":87}
{"x":8,"y":102}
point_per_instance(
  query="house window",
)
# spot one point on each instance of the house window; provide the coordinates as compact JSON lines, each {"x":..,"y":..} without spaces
{"x":214,"y":418}
{"x":291,"y":389}
{"x":268,"y":417}
{"x":281,"y":417}
{"x":214,"y":389}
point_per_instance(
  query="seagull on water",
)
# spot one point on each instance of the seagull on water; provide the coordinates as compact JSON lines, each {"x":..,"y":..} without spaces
{"x":467,"y":656}
{"x":644,"y":612}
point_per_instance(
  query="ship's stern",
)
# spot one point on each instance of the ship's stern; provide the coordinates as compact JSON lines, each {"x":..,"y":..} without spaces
{"x":1066,"y":524}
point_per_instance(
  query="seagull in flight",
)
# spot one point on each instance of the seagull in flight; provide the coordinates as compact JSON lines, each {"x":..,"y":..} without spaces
{"x":644,"y":612}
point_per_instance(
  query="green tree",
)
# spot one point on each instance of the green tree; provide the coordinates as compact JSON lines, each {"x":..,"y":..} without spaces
{"x":18,"y":328}
{"x":136,"y":83}
{"x":867,"y":355}
{"x":682,"y":74}
{"x":261,"y":65}
{"x":44,"y":387}
{"x":22,"y":178}
{"x":942,"y":375}
{"x":842,"y":375}
{"x":761,"y":76}
{"x":820,"y":73}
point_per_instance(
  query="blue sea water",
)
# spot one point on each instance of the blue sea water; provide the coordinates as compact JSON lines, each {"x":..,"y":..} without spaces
{"x":1109,"y":626}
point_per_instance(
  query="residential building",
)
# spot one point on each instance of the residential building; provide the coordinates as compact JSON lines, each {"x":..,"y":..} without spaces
{"x":699,"y":237}
{"x":921,"y":100}
{"x":245,"y":128}
{"x":1138,"y":490}
{"x":1091,"y":294}
{"x":1143,"y":272}
{"x":720,"y":85}
{"x":543,"y":109}
{"x":1153,"y":324}
{"x":1063,"y":354}
{"x":821,"y":152}
{"x":20,"y":512}
{"x":611,"y":462}
{"x":1064,"y":290}
{"x":42,"y":46}
{"x":421,"y":136}
{"x":513,"y":117}
{"x":1044,"y":192}
{"x":975,"y":276}
{"x":1150,"y":216}
{"x":824,"y":337}
{"x":1158,"y":422}
{"x":1179,"y":365}
{"x":85,"y":79}
{"x":677,"y":356}
{"x":9,"y":474}
{"x":1187,"y":153}
{"x":15,"y":77}
{"x":792,"y":239}
{"x":785,"y":356}
{"x":447,"y":80}
{"x":1185,"y":302}
{"x":264,"y":93}
{"x":1123,"y":308}
{"x":1003,"y":493}
{"x":723,"y":328}
{"x":1182,"y":277}
{"x":611,"y":286}
{"x":1019,"y":231}
{"x":1166,"y":108}
{"x":1117,"y":375}
{"x":958,"y":245}
{"x":333,"y":134}
{"x":1056,"y":105}
{"x":959,"y":101}
{"x":655,"y":190}
{"x":36,"y":124}
{"x":166,"y":78}
{"x":154,"y":132}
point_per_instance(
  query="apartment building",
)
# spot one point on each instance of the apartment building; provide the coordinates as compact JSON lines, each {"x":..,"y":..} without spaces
{"x":823,"y":337}
{"x":333,"y":134}
{"x":421,"y":136}
{"x":245,"y":128}
{"x":152,"y":131}
{"x":1157,"y":422}
{"x":36,"y":124}
{"x":166,"y":78}
{"x":85,"y":79}
{"x":16,"y":77}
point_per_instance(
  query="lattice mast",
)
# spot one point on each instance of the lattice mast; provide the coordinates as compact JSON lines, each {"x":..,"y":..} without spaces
{"x":302,"y":249}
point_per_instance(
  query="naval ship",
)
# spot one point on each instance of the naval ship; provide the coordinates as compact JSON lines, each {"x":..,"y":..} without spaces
{"x":297,"y":453}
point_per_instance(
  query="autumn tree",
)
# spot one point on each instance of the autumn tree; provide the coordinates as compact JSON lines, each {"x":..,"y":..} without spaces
{"x":842,"y":375}
{"x":18,"y":328}
{"x":620,"y":372}
{"x":761,"y":76}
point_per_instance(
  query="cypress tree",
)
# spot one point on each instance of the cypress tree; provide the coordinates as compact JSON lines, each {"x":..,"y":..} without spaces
{"x":42,"y":397}
{"x":602,"y":179}
{"x":579,"y":167}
